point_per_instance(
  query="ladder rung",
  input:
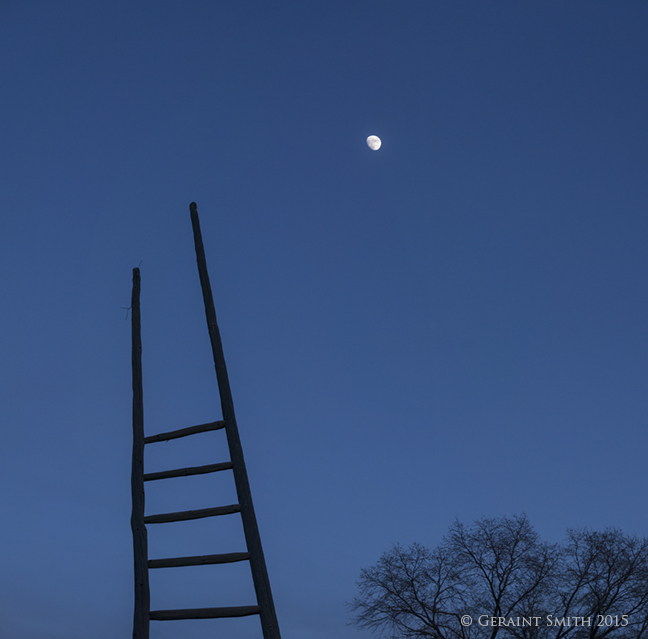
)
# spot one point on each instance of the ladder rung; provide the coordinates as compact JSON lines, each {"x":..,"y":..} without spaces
{"x":185,"y":472}
{"x":202,"y":560}
{"x":183,"y":432}
{"x":192,"y":514}
{"x":204,"y":613}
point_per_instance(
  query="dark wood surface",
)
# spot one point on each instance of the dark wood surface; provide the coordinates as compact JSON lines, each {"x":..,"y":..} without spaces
{"x":269,"y":623}
{"x":183,"y":432}
{"x":204,"y":613}
{"x":201,"y":560}
{"x":186,"y":472}
{"x":186,"y":515}
{"x":140,"y":549}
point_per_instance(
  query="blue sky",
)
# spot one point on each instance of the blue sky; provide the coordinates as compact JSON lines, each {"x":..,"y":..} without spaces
{"x":452,"y":326}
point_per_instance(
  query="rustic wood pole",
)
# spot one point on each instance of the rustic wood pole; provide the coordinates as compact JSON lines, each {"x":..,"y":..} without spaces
{"x":140,"y":551}
{"x":269,"y":624}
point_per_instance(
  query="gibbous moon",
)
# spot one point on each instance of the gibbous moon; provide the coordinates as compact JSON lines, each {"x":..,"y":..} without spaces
{"x":373,"y":142}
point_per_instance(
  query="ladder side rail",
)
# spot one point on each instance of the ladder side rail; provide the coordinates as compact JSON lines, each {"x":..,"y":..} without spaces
{"x":140,"y":543}
{"x":269,"y":623}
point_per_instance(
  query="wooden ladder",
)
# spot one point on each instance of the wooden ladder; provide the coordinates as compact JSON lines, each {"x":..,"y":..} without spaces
{"x":142,"y":613}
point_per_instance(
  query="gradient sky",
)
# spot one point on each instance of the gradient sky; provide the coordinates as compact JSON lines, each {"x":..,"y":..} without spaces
{"x":453,"y":326}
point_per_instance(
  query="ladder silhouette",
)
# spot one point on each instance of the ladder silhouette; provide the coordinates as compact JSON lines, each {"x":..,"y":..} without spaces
{"x":142,"y":612}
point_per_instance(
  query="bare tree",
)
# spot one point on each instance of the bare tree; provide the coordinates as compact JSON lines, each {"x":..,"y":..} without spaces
{"x":603,"y":576}
{"x":508,"y":570}
{"x":498,"y":577}
{"x":413,"y":593}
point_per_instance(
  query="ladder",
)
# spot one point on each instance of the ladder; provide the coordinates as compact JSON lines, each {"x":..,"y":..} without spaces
{"x":264,"y":606}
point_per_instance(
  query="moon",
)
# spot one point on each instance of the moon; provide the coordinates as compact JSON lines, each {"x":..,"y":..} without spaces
{"x":373,"y":142}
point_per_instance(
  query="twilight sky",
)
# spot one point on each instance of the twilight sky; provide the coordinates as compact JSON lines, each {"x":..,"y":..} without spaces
{"x":453,"y":326}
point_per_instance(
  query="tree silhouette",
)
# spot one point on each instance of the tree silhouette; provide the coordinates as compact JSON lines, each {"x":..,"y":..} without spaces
{"x":497,"y":577}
